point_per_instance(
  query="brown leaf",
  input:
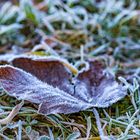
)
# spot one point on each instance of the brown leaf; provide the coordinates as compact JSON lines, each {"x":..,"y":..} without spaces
{"x":99,"y":87}
{"x":53,"y":87}
{"x":23,"y":85}
{"x":49,"y":70}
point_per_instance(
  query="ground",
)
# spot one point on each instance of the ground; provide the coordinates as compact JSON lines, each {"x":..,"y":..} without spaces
{"x":75,"y":30}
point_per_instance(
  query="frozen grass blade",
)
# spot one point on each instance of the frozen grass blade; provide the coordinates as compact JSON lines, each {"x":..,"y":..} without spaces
{"x":98,"y":123}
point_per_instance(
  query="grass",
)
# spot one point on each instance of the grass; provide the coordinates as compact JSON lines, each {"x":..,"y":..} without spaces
{"x":76,"y":30}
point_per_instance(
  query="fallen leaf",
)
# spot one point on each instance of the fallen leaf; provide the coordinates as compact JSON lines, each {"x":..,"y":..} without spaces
{"x":25,"y":86}
{"x":50,"y":84}
{"x":53,"y":71}
{"x":98,"y":87}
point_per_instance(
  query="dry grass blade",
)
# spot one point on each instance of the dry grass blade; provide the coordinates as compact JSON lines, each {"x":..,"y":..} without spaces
{"x":12,"y":114}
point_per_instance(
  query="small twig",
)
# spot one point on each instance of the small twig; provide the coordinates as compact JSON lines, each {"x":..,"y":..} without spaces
{"x":13,"y":113}
{"x":73,"y":124}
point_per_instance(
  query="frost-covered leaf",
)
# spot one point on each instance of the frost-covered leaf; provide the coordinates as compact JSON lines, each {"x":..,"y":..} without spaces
{"x":51,"y":85}
{"x":23,"y":85}
{"x":48,"y":70}
{"x":98,"y":87}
